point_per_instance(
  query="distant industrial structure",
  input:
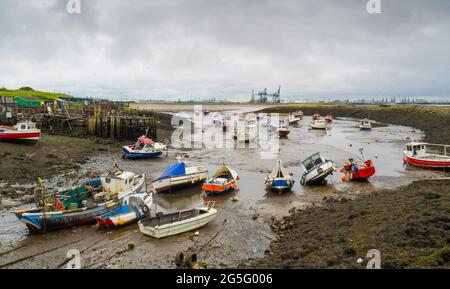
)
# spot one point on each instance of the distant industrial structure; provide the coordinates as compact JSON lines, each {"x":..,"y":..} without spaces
{"x":263,"y":96}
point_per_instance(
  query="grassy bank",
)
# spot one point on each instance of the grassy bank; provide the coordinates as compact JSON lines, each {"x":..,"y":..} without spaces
{"x":29,"y":92}
{"x":409,"y":226}
{"x":433,"y":120}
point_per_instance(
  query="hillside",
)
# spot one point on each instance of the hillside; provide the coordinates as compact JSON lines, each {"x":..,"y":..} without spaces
{"x":29,"y":92}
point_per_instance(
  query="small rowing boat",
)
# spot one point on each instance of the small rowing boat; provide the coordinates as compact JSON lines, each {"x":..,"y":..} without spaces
{"x":178,"y":222}
{"x":279,"y":180}
{"x":22,"y":131}
{"x":316,"y":169}
{"x":425,"y":155}
{"x":223,"y":180}
{"x":365,"y":124}
{"x":353,"y":171}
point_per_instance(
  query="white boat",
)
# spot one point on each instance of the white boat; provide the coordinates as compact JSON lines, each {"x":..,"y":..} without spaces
{"x":318,"y":124}
{"x":181,"y":174}
{"x":365,"y":124}
{"x":281,"y":128}
{"x":22,"y":131}
{"x":293,"y":119}
{"x":316,"y":169}
{"x":178,"y":222}
{"x":425,"y":155}
{"x":144,"y":148}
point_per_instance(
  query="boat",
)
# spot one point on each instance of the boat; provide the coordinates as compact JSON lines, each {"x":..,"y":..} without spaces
{"x":279,"y":180}
{"x":426,"y":155}
{"x":81,"y":204}
{"x":22,"y":131}
{"x":299,"y":114}
{"x":328,"y":118}
{"x":281,"y":128}
{"x":178,"y":222}
{"x":318,"y":124}
{"x":131,"y":211}
{"x":144,"y":148}
{"x":316,"y":169}
{"x":223,"y":180}
{"x":179,"y":175}
{"x":293,"y":119}
{"x":316,"y":116}
{"x":353,"y":171}
{"x":365,"y":124}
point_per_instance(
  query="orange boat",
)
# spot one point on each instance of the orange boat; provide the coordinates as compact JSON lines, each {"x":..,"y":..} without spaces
{"x":223,"y":180}
{"x":354,"y":171}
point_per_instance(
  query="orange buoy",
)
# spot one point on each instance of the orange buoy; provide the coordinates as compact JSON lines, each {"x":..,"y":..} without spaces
{"x":343,"y":178}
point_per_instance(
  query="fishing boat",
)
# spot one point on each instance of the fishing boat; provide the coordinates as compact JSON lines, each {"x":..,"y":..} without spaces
{"x":318,"y":124}
{"x":178,"y":222}
{"x":144,"y":148}
{"x":425,"y":155}
{"x":293,"y":119}
{"x":131,"y":211}
{"x":81,"y":204}
{"x":223,"y":180}
{"x":179,"y":175}
{"x":365,"y":124}
{"x":299,"y":114}
{"x":353,"y":171}
{"x":279,"y":180}
{"x":316,"y":169}
{"x":22,"y":131}
{"x":328,"y":118}
{"x":281,"y":128}
{"x":316,"y":116}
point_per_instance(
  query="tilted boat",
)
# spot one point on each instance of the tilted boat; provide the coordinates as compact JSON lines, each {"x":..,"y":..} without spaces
{"x":353,"y":171}
{"x":179,"y":175}
{"x":316,"y":169}
{"x":426,"y":155}
{"x":22,"y":131}
{"x":178,"y":222}
{"x":365,"y":124}
{"x":281,"y":128}
{"x":81,"y":204}
{"x":318,"y":124}
{"x":293,"y":119}
{"x":131,"y":211}
{"x":279,"y":180}
{"x":316,"y":116}
{"x":223,"y":180}
{"x":144,"y":148}
{"x":328,"y":118}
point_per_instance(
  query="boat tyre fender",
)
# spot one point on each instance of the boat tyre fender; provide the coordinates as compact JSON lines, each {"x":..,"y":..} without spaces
{"x":145,"y":210}
{"x":303,"y":181}
{"x":320,"y":170}
{"x":190,"y":260}
{"x":179,"y":259}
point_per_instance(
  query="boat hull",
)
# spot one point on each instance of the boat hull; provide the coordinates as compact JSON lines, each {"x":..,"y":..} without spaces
{"x":217,"y":189}
{"x":119,"y":217}
{"x":135,"y":154}
{"x":318,"y":174}
{"x":177,"y":182}
{"x":280,"y":185}
{"x":427,"y":163}
{"x":32,"y":135}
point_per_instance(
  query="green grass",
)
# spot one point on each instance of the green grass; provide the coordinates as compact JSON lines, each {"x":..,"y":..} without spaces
{"x":27,"y":92}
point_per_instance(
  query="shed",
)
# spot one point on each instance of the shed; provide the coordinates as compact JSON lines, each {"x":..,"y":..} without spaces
{"x":28,"y":101}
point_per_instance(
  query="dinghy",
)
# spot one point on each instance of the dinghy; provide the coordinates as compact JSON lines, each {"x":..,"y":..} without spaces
{"x":426,"y":155}
{"x":223,"y":180}
{"x":315,"y":116}
{"x":365,"y":124}
{"x":179,"y":175}
{"x":279,"y":180}
{"x":353,"y":171}
{"x":144,"y":148}
{"x":328,"y":118}
{"x":281,"y":128}
{"x":293,"y":119}
{"x":131,"y":211}
{"x":80,"y":205}
{"x":178,"y":222}
{"x":22,"y":131}
{"x":316,"y":169}
{"x":318,"y":124}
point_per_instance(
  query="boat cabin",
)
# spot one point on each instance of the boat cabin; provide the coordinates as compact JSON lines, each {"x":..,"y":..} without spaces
{"x":120,"y":183}
{"x":313,"y":161}
{"x":25,"y":125}
{"x":416,"y":149}
{"x":143,"y":142}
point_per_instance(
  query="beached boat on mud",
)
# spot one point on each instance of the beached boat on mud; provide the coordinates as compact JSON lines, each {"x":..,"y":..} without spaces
{"x":247,"y":134}
{"x":354,"y":171}
{"x":223,"y":181}
{"x":281,"y":128}
{"x":131,"y":211}
{"x":316,"y":116}
{"x":425,"y":155}
{"x":318,"y":124}
{"x":298,"y":114}
{"x":365,"y":124}
{"x":279,"y":180}
{"x":328,"y":118}
{"x":144,"y":148}
{"x":81,"y":204}
{"x":22,"y":131}
{"x":294,"y":119}
{"x":316,"y":169}
{"x":179,"y":175}
{"x":178,"y":222}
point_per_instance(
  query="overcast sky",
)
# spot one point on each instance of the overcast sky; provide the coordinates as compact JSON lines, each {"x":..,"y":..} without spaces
{"x":175,"y":49}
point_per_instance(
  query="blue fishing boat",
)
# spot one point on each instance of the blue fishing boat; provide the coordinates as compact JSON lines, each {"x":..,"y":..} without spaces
{"x":144,"y":148}
{"x":81,"y":204}
{"x":279,"y":180}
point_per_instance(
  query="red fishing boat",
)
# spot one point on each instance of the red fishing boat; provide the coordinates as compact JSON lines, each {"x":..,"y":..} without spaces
{"x":316,"y":116}
{"x":328,"y":118}
{"x":425,"y":155}
{"x":353,"y":171}
{"x":298,"y":114}
{"x":22,"y":131}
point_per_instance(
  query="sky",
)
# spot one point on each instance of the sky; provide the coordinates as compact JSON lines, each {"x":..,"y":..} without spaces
{"x":197,"y":49}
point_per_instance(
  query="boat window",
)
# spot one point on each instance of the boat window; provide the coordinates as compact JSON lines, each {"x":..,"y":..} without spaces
{"x":23,"y":126}
{"x":408,"y":148}
{"x":107,"y":180}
